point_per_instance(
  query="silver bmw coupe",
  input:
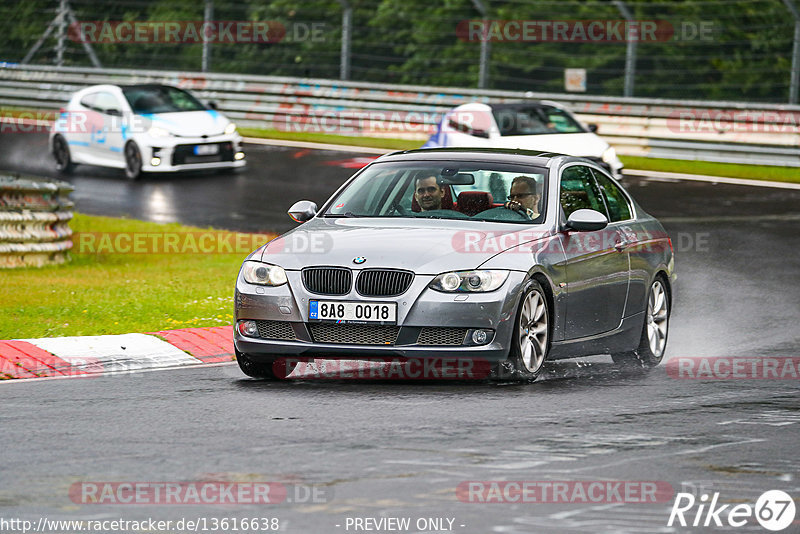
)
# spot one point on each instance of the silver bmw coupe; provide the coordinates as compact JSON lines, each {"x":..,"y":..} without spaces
{"x":503,"y":258}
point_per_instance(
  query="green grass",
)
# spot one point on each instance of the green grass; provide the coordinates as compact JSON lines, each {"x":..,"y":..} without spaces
{"x":730,"y":170}
{"x":120,"y":293}
{"x":313,"y":137}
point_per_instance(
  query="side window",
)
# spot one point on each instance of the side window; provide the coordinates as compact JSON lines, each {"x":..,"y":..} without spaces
{"x":579,"y":191}
{"x":88,"y":100}
{"x":618,"y":207}
{"x":106,"y":101}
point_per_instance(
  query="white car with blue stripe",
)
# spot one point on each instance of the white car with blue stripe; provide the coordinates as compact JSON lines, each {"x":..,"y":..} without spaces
{"x":539,"y":125}
{"x":143,"y":128}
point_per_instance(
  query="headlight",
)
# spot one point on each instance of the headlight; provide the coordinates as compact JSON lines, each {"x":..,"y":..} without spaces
{"x":469,"y":281}
{"x":609,"y":155}
{"x":155,"y":131}
{"x":230,"y":128}
{"x":263,"y":274}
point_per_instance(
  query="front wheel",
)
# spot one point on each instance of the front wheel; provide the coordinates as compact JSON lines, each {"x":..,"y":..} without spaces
{"x":133,"y":161}
{"x":653,"y":342}
{"x":530,"y":342}
{"x":255,"y":369}
{"x":273,"y":368}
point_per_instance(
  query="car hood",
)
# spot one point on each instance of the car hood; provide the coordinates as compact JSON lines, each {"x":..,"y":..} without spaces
{"x":190,"y":123}
{"x":574,"y":144}
{"x":423,"y":246}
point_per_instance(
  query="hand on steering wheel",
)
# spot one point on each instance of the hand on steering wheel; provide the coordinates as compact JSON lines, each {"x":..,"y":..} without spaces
{"x":513,"y":205}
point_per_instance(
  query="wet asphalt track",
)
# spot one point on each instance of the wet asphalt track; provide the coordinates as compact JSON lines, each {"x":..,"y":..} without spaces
{"x":400,"y":449}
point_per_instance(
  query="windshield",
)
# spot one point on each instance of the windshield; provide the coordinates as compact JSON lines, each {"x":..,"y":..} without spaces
{"x":534,"y":120}
{"x":445,"y":190}
{"x":160,"y":99}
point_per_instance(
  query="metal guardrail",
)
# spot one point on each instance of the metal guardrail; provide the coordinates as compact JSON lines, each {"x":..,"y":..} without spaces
{"x":34,"y":222}
{"x":733,"y":132}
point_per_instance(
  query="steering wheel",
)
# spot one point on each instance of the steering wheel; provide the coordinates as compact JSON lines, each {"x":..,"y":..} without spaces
{"x":513,"y":205}
{"x":398,"y":209}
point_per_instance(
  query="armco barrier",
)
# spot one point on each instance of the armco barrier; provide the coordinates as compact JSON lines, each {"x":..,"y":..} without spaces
{"x":733,"y":132}
{"x":34,"y":222}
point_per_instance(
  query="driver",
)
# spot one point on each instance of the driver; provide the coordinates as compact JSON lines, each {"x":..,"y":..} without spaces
{"x":524,"y":196}
{"x":428,"y":192}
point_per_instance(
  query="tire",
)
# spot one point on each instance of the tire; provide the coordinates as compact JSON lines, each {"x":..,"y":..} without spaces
{"x":530,"y":340}
{"x":133,"y":161}
{"x":273,"y":368}
{"x":255,"y":369}
{"x":62,"y":155}
{"x":655,"y":330}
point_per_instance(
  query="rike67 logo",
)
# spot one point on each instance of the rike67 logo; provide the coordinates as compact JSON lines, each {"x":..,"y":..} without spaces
{"x":774,"y":510}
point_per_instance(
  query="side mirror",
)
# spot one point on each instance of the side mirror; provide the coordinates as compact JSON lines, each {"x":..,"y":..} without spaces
{"x":592,"y":128}
{"x":302,"y":211}
{"x":212,"y":104}
{"x":586,"y":220}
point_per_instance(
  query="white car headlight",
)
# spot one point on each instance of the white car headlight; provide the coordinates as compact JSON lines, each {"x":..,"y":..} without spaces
{"x":230,"y":128}
{"x":469,"y":281}
{"x":155,"y":131}
{"x":609,"y":155}
{"x":263,"y":274}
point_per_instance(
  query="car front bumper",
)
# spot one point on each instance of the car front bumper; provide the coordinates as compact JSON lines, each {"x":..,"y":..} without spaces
{"x":170,"y":154}
{"x":419,"y":308}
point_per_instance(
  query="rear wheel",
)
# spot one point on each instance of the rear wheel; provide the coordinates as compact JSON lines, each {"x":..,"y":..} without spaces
{"x":530,"y":342}
{"x":62,"y":155}
{"x":653,"y":342}
{"x":133,"y":161}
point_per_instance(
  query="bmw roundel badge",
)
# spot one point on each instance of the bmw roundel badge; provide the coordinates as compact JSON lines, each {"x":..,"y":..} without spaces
{"x":359,"y":260}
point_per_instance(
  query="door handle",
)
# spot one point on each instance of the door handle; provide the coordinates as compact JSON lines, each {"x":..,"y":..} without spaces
{"x":621,"y":244}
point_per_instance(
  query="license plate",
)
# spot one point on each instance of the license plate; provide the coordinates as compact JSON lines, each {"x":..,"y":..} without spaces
{"x":352,"y":312}
{"x":206,"y":150}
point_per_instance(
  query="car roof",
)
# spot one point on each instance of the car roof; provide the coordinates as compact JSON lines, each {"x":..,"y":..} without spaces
{"x":498,"y":155}
{"x":147,"y":86}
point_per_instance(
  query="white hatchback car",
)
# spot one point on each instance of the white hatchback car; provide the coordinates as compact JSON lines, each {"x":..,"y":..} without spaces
{"x":537,"y":125}
{"x":143,"y":128}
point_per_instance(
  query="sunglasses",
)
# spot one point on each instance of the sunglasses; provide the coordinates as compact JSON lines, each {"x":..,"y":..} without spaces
{"x":520,"y":195}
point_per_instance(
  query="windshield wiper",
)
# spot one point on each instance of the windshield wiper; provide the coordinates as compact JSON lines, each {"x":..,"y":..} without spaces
{"x":348,"y":214}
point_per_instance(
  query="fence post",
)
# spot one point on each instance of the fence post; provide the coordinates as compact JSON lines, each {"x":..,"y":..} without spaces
{"x":632,"y":36}
{"x":795,"y":74}
{"x":208,"y":14}
{"x":483,"y":73}
{"x":347,"y":24}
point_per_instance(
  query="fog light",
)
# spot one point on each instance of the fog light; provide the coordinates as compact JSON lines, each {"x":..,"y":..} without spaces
{"x":479,"y":337}
{"x":248,"y":328}
{"x":238,"y":155}
{"x":155,"y":162}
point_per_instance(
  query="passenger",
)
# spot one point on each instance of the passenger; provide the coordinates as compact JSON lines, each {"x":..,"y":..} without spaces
{"x":429,"y":193}
{"x":524,"y":196}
